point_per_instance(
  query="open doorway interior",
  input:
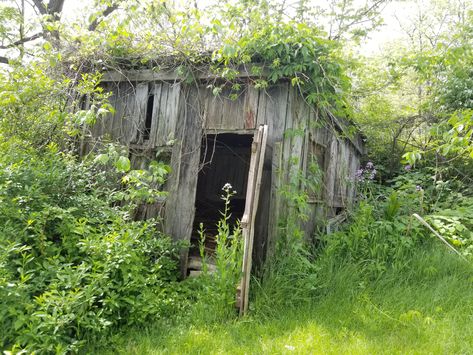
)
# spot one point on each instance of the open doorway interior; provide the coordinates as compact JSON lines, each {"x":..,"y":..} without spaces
{"x":225,"y":158}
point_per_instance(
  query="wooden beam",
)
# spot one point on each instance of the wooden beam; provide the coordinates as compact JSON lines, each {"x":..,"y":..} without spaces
{"x":249,"y":216}
{"x":172,"y":75}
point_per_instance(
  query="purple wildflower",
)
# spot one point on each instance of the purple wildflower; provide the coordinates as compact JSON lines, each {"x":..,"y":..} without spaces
{"x":369,"y":165}
{"x":408,"y":167}
{"x":359,"y":175}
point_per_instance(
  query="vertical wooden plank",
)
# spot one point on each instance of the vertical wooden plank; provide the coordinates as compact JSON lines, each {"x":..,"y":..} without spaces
{"x":115,"y":101}
{"x":260,"y":244}
{"x":336,"y":176}
{"x":123,"y":89}
{"x":156,"y":119}
{"x":173,"y":104}
{"x":182,"y":183}
{"x":272,"y":110}
{"x":355,"y":165}
{"x":287,"y":136}
{"x":305,"y":148}
{"x":261,"y":117}
{"x":299,"y":113}
{"x":274,"y":204}
{"x":162,"y":120}
{"x":135,"y":113}
{"x":251,"y":207}
{"x":128,"y":106}
{"x":348,"y":174}
{"x":213,"y":117}
{"x":233,"y":111}
{"x":243,"y":291}
{"x":331,"y":171}
{"x":339,"y":194}
{"x":251,"y":107}
{"x":345,"y":173}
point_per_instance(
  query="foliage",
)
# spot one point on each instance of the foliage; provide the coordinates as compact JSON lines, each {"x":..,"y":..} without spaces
{"x":39,"y":106}
{"x":142,"y":185}
{"x":376,"y":244}
{"x":409,"y":98}
{"x":73,"y":265}
{"x":421,"y":309}
{"x":292,"y":51}
{"x":290,"y":275}
{"x":215,"y":288}
{"x":383,"y":235}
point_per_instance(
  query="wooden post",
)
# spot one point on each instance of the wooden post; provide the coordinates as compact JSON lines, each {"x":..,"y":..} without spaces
{"x":251,"y":206}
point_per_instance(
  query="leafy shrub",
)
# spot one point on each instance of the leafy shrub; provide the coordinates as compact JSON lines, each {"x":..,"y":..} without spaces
{"x":376,"y":242}
{"x":455,"y":223}
{"x":73,"y":264}
{"x":383,"y":235}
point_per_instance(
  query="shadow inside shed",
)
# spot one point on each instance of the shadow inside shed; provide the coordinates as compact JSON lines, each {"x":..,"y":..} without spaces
{"x":224,"y":159}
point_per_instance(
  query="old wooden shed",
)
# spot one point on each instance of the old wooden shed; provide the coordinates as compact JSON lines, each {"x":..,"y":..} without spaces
{"x":207,"y":139}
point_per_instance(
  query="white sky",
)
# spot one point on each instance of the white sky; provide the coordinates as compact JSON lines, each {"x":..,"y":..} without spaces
{"x":390,"y":31}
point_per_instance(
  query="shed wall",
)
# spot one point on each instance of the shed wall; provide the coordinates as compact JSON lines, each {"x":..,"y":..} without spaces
{"x":182,"y":114}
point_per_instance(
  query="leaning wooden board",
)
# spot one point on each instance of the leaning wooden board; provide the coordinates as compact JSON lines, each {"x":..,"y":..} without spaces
{"x":251,"y":206}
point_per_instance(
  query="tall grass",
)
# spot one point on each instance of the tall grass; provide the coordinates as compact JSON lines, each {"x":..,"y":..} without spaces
{"x":380,"y":285}
{"x":428,"y":308}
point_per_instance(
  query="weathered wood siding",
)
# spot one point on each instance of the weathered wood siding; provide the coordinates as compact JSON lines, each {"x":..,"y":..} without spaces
{"x":130,"y":101}
{"x":182,"y":114}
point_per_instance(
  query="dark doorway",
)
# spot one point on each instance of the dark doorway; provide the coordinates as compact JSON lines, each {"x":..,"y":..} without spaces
{"x":225,"y":158}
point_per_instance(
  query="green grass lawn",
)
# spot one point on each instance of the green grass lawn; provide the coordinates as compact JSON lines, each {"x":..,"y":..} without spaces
{"x":426,"y":310}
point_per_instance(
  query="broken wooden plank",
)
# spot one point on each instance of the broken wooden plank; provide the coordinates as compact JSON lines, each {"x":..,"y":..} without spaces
{"x":251,"y":207}
{"x":195,"y":263}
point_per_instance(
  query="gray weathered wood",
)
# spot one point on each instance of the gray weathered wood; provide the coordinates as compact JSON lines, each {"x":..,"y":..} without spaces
{"x":170,"y":75}
{"x":156,"y":91}
{"x":251,"y":207}
{"x":180,"y":207}
{"x":274,"y":205}
{"x":251,"y":107}
{"x":331,"y":171}
{"x":162,"y":116}
{"x":183,"y":112}
{"x":135,"y":112}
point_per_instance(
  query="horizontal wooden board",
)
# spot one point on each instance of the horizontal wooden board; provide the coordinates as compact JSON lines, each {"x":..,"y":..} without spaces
{"x":171,"y":75}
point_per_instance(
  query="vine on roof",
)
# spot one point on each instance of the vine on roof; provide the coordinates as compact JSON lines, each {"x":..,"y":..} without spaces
{"x":294,"y":52}
{"x":225,"y":40}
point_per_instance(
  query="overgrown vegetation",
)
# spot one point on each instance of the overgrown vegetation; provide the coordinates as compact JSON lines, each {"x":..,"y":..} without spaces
{"x":76,"y":269}
{"x":74,"y":265}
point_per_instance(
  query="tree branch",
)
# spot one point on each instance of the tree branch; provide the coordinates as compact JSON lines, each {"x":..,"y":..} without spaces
{"x":23,"y":40}
{"x":358,"y":17}
{"x":105,"y":13}
{"x":41,"y":7}
{"x":55,"y":6}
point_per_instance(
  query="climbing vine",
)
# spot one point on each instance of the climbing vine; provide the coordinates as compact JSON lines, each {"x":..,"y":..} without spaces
{"x":295,"y":52}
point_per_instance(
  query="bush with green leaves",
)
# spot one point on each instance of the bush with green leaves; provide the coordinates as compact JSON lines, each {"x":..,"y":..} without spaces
{"x":73,"y":263}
